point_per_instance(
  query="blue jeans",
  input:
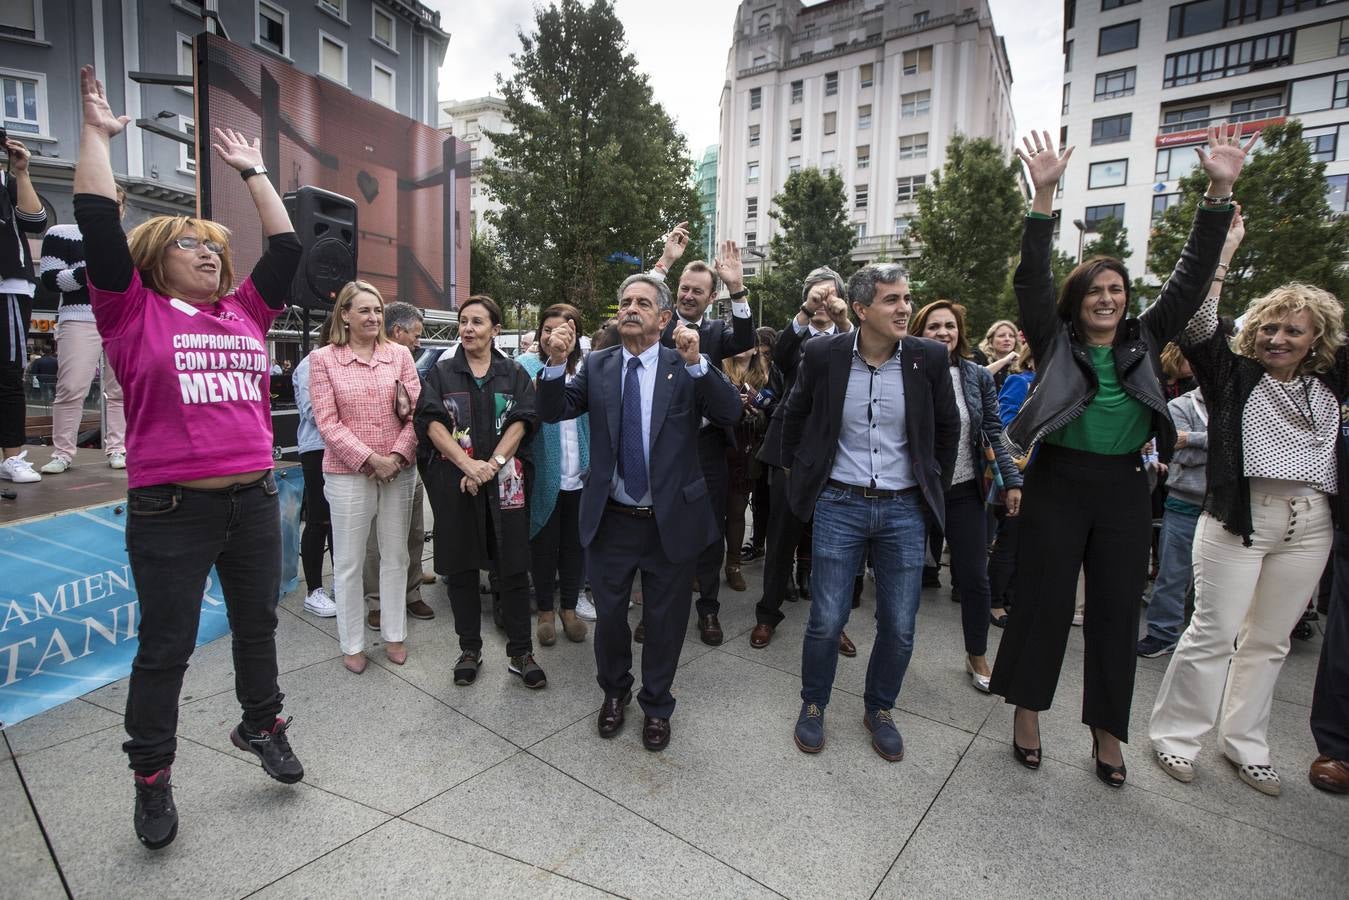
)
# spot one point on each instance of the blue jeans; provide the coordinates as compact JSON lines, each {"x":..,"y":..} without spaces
{"x":1175,"y":571}
{"x":847,"y":526}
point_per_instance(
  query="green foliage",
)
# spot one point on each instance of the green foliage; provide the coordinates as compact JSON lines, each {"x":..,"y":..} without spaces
{"x":593,"y":166}
{"x":969,"y":222}
{"x":485,"y":272}
{"x":812,"y":215}
{"x":1290,"y":235}
{"x":1112,"y":239}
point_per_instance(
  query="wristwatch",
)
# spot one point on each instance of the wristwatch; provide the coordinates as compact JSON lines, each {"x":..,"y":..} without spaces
{"x":739,"y":294}
{"x":251,"y":171}
{"x":500,"y":461}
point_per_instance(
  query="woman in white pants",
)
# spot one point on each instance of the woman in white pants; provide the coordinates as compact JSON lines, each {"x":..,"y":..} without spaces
{"x":363,"y":388}
{"x":1274,"y":415}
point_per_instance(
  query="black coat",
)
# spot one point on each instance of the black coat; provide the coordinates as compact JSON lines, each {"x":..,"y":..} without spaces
{"x":452,"y":397}
{"x":716,"y":339}
{"x":813,"y":419}
{"x":684,"y":515}
{"x":787,"y":358}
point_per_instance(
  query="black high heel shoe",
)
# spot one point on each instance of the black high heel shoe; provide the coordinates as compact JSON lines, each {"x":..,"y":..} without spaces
{"x":1105,"y":771}
{"x":1023,"y":754}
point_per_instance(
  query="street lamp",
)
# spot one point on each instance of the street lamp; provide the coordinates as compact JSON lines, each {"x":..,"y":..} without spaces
{"x":763,"y":261}
{"x":1081,"y":234}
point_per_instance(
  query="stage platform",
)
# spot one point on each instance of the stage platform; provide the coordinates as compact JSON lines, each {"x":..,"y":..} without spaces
{"x":88,"y":482}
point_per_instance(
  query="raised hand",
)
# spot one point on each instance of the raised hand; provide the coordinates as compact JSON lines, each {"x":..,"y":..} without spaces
{"x":235,"y":149}
{"x":675,"y":243}
{"x":18,"y":155}
{"x":1225,"y":157}
{"x":838,"y":310}
{"x":560,"y":343}
{"x":729,"y":267}
{"x":1042,"y":162}
{"x":686,"y":342}
{"x":97,"y":113}
{"x":1235,"y":232}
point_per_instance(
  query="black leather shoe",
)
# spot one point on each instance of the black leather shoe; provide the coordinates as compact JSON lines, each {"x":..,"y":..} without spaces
{"x":639,"y":633}
{"x":611,"y":714}
{"x":655,"y":734}
{"x":803,"y":581}
{"x":710,"y":630}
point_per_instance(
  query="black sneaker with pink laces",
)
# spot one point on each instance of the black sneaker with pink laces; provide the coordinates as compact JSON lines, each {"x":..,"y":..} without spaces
{"x":156,"y":816}
{"x":273,"y":748}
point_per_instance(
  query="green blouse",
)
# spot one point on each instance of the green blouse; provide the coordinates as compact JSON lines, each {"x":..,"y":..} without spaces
{"x":1113,"y":422}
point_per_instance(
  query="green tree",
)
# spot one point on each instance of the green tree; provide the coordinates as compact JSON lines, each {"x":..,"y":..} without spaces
{"x":485,"y":272}
{"x":594,"y":165}
{"x":969,"y":223}
{"x":1290,"y":235}
{"x":813,"y":230}
{"x":1112,"y":239}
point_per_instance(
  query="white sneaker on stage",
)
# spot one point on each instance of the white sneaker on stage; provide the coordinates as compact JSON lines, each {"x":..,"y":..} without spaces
{"x":585,"y":609}
{"x":18,"y":470}
{"x":56,"y":465}
{"x":117,"y":459}
{"x":320,"y":604}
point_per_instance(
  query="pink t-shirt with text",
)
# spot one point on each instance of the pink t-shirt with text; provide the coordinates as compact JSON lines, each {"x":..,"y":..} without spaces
{"x":194,"y":380}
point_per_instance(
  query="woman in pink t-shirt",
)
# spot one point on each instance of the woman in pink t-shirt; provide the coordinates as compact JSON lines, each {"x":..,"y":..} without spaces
{"x":364,"y":388}
{"x":193,"y":365}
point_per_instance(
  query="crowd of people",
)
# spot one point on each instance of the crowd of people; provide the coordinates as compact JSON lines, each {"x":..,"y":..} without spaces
{"x":868,"y":438}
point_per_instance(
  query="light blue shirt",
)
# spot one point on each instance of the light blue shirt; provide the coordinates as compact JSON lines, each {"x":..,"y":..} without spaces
{"x":646,"y":379}
{"x":307,"y":432}
{"x":873,"y":444}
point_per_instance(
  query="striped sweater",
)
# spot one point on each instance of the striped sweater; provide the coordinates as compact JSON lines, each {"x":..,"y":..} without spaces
{"x":62,"y":269}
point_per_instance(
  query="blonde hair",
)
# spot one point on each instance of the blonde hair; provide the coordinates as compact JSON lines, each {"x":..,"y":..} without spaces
{"x":1327,"y":316}
{"x":338,"y":333}
{"x":1172,"y":360}
{"x":986,"y":345}
{"x":149,"y":243}
{"x":753,"y":373}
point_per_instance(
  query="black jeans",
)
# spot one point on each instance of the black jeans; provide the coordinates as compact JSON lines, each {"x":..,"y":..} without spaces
{"x":785,"y":532}
{"x":967,"y":536}
{"x":1330,"y":699}
{"x":1090,"y":512}
{"x":712,"y":456}
{"x":16,"y":309}
{"x":1002,"y":560}
{"x":761,"y":506}
{"x":174,"y":535}
{"x":556,"y":556}
{"x":466,"y":604}
{"x":318,"y":526}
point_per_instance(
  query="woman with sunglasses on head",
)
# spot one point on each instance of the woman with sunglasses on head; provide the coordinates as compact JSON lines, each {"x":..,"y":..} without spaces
{"x":1097,"y":401}
{"x":192,"y":359}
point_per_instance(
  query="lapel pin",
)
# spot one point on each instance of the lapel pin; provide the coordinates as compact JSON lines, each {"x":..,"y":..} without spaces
{"x":669,"y":375}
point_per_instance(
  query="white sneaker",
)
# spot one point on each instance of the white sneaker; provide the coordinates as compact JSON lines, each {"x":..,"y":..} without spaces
{"x":320,"y":604}
{"x":117,"y":459}
{"x":585,"y":609}
{"x":1077,"y":620}
{"x":56,"y":465}
{"x":18,"y":470}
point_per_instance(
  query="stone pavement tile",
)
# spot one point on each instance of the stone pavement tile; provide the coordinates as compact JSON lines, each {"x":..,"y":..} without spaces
{"x":733,"y":783}
{"x":529,"y":811}
{"x":72,"y":719}
{"x":372,"y":738}
{"x":1302,"y":813}
{"x":1060,"y":833}
{"x":24,"y":859}
{"x":399,"y":859}
{"x":239,"y":829}
{"x":211,"y":669}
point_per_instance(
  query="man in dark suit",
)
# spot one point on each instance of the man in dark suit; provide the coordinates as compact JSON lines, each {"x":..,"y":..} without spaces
{"x":699,"y":285}
{"x":645,"y":504}
{"x":871,"y":430}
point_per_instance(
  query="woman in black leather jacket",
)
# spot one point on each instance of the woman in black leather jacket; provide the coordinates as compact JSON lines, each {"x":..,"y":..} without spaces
{"x":1097,"y":400}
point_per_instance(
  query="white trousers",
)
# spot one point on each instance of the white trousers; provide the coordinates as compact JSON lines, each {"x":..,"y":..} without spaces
{"x":1250,"y":596}
{"x":354,"y":501}
{"x":78,"y":350}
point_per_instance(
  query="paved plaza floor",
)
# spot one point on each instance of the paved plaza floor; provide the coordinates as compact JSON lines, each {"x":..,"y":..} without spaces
{"x":416,"y":788}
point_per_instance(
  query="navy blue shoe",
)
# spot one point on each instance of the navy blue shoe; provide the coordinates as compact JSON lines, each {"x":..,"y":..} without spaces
{"x":885,"y":739}
{"x":809,"y":735}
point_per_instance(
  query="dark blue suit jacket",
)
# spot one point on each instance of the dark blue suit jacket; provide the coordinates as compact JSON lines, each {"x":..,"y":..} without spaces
{"x":684,"y":515}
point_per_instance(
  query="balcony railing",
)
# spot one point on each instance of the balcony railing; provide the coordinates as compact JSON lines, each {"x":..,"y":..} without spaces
{"x":1254,"y":115}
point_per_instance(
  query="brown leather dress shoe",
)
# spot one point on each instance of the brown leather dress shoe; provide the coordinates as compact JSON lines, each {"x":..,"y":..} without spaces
{"x":760,"y":636}
{"x":611,"y":714}
{"x":1330,"y":775}
{"x":845,"y":644}
{"x":735,"y":580}
{"x":372,"y":620}
{"x":710,"y":630}
{"x":419,"y":609}
{"x":639,"y":633}
{"x":655,"y":734}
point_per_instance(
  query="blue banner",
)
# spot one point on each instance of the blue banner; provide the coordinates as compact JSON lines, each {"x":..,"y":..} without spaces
{"x":68,"y":607}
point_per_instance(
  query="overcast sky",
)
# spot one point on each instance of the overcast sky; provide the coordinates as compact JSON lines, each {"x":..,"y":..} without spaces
{"x":684,"y":54}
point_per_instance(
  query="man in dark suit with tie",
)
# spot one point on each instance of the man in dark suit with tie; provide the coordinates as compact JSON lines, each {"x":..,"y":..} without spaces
{"x":699,"y":285}
{"x":870,"y":430}
{"x":645,"y":504}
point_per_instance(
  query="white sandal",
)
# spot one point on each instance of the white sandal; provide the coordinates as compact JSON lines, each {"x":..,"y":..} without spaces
{"x":1263,"y":778}
{"x":1178,"y":767}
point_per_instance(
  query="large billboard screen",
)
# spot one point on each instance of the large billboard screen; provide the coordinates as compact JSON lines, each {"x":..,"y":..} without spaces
{"x":410,"y":182}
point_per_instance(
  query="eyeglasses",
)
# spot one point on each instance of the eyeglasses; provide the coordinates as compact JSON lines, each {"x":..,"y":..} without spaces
{"x":191,"y":243}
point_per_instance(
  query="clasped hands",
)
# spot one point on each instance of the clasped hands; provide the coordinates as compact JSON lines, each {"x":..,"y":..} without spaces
{"x":383,"y":469}
{"x":477,"y":472}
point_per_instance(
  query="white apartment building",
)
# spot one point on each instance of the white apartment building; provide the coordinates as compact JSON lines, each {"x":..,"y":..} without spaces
{"x":1143,"y":80}
{"x":470,"y":120}
{"x":871,"y":88}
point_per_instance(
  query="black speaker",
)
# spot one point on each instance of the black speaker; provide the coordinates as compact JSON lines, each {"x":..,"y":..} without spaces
{"x":325,"y":223}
